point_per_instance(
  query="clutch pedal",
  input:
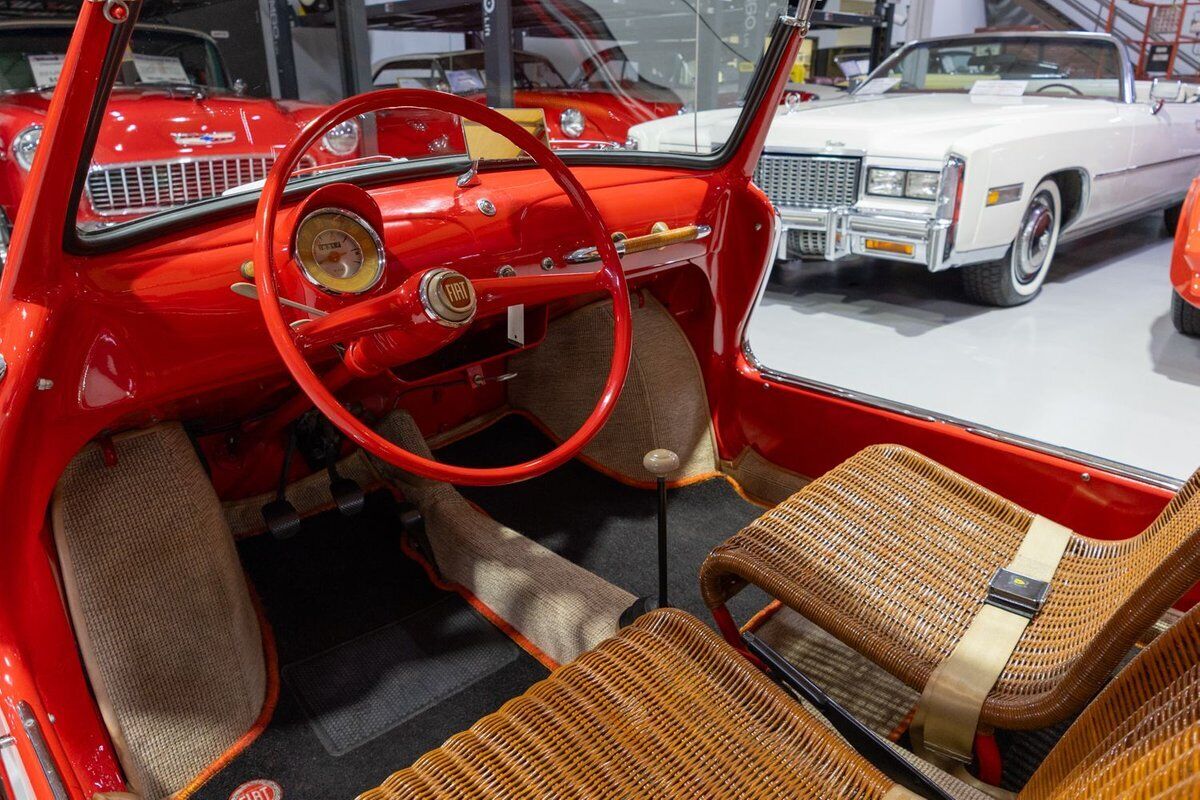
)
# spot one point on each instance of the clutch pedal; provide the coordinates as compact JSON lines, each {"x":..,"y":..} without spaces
{"x":281,"y":517}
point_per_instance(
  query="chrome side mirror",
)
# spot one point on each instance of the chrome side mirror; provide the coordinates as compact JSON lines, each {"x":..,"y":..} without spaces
{"x":239,"y":86}
{"x":1163,"y":92}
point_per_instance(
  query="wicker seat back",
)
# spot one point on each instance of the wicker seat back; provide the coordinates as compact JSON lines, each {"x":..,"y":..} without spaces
{"x":1141,"y":736}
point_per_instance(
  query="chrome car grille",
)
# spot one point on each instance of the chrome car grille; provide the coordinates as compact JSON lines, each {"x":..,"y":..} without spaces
{"x":154,"y":186}
{"x":805,"y":244}
{"x":796,"y":181}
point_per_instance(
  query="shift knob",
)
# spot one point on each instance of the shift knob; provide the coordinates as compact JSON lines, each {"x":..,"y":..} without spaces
{"x":660,"y":463}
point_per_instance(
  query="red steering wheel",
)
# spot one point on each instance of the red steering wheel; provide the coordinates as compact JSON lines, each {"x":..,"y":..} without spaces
{"x":433,"y":307}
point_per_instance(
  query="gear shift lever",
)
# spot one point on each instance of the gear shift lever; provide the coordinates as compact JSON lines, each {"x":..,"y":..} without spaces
{"x":660,"y":464}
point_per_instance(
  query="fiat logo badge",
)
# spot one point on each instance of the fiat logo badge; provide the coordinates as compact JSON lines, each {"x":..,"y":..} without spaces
{"x":257,"y":790}
{"x":456,"y":292}
{"x":448,"y":297}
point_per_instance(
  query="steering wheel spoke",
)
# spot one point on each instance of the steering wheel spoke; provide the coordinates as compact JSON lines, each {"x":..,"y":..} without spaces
{"x":353,"y":322}
{"x":497,"y":294}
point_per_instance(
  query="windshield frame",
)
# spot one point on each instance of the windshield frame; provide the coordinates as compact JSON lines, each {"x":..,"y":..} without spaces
{"x":1128,"y":88}
{"x":153,"y":226}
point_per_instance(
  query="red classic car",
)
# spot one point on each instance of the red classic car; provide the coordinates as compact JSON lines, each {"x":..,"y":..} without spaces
{"x":348,"y":484}
{"x":158,"y":147}
{"x":1185,"y":266}
{"x":594,"y":114}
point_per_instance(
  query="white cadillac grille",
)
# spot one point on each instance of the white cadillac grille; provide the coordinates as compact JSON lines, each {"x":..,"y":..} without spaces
{"x":792,"y":181}
{"x":805,"y":244}
{"x":155,"y":186}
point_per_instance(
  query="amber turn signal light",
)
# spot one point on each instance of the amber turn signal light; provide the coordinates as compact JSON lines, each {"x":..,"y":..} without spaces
{"x":884,"y":246}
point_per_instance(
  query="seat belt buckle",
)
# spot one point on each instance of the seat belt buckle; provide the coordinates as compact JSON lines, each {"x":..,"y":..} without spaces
{"x":1016,"y":593}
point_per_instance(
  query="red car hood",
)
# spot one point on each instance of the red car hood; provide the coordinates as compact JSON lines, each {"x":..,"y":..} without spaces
{"x":632,"y":107}
{"x":156,"y":124}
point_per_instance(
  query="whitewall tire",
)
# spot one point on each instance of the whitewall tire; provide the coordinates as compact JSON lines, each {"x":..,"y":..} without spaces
{"x":1018,"y":277}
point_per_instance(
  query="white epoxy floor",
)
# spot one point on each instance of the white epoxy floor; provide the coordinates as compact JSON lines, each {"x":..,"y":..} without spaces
{"x":1093,"y":364}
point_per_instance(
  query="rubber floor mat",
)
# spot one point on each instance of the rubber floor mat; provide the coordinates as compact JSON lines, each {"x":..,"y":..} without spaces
{"x":604,"y":526}
{"x":342,"y":591}
{"x":364,"y":688}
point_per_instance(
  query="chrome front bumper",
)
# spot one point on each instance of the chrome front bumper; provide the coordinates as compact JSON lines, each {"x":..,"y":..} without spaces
{"x":847,"y":231}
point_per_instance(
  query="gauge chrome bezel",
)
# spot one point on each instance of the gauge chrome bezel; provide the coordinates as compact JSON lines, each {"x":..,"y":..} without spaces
{"x":350,"y":215}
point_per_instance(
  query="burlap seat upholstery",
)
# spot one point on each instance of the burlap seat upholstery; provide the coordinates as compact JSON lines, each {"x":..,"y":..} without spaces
{"x":666,"y":709}
{"x":892,"y":553}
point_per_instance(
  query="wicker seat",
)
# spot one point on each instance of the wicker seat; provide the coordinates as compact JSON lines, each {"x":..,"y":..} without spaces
{"x":892,"y":553}
{"x":667,"y":710}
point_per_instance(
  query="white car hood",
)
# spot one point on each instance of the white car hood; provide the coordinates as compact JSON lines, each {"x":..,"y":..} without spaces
{"x":924,"y":125}
{"x":919,"y":126}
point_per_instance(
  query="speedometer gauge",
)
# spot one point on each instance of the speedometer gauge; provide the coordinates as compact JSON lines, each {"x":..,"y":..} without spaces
{"x":339,"y":252}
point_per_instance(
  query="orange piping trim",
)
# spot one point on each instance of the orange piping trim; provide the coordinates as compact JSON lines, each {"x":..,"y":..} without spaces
{"x":264,"y":718}
{"x":903,"y":727}
{"x":480,"y":606}
{"x":758,"y":620}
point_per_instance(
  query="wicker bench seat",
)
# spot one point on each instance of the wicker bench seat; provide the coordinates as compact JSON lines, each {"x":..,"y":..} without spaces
{"x":668,"y":710}
{"x":893,"y":553}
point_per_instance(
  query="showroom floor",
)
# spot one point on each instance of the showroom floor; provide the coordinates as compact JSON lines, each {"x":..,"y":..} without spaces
{"x":1093,"y":364}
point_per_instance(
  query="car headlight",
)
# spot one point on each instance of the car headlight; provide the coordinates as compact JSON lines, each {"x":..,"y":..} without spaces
{"x":913,"y":184}
{"x":885,"y":182}
{"x":572,"y":122}
{"x":342,"y":139}
{"x":25,"y":145}
{"x":922,"y":185}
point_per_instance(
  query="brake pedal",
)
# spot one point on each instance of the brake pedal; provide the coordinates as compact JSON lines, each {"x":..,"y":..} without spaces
{"x":347,"y":494}
{"x":283,"y":521}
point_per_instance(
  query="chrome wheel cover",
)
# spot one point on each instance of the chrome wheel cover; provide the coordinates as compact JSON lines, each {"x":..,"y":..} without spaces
{"x":1035,"y":240}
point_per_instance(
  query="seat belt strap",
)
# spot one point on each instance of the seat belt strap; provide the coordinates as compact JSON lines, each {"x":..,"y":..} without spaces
{"x":943,"y":729}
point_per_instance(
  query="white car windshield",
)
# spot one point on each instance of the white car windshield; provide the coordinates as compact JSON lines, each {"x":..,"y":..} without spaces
{"x":31,"y":58}
{"x":1003,"y":65}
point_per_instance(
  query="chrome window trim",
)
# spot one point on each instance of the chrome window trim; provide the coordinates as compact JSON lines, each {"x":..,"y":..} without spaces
{"x":41,"y":749}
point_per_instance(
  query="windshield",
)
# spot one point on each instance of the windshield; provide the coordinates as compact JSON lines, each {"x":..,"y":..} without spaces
{"x":466,"y":70}
{"x":1010,"y":66}
{"x":642,"y":64}
{"x":32,"y":58}
{"x":666,"y":69}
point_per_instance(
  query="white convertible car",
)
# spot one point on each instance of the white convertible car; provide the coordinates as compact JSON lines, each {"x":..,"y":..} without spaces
{"x":979,"y":152}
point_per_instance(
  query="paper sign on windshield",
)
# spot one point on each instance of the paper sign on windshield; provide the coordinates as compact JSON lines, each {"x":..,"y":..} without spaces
{"x":46,"y":69}
{"x":877,"y":86}
{"x":160,"y":69}
{"x":999,"y":88}
{"x":464,"y":80}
